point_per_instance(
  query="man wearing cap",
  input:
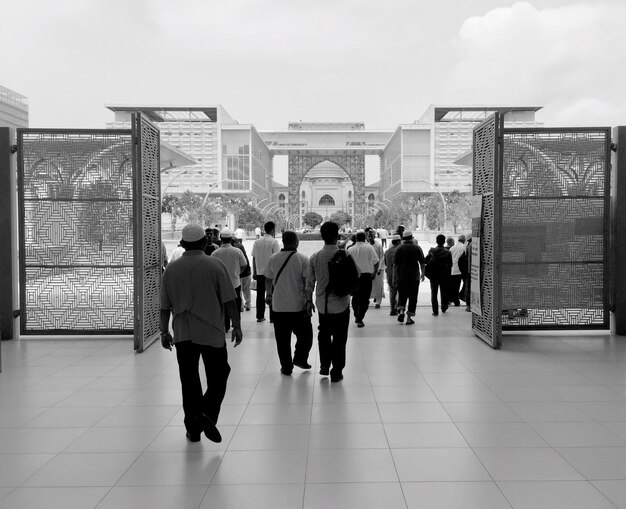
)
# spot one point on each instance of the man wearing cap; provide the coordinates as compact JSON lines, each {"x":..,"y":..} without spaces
{"x":393,"y":289}
{"x":366,"y":261}
{"x":234,"y":261}
{"x":262,"y":249}
{"x":197,"y":290}
{"x":408,"y":271}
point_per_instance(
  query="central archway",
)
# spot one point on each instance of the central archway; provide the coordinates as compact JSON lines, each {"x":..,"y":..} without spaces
{"x":353,"y":165}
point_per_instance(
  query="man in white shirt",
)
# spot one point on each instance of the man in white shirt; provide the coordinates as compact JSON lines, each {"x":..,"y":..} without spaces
{"x":240,"y":233}
{"x":234,"y":261}
{"x":262,"y":249}
{"x":257,"y":232}
{"x":366,"y":262}
{"x":285,"y":277}
{"x":382,"y":235}
{"x":456,"y":277}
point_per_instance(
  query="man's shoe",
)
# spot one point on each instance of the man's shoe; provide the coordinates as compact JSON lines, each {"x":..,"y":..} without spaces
{"x":444,"y":310}
{"x":336,"y":378}
{"x":260,"y":319}
{"x":302,"y":365}
{"x":193,"y":437}
{"x":324,"y":371}
{"x":285,"y":372}
{"x":247,"y":308}
{"x":377,"y":306}
{"x":210,"y":430}
{"x":393,"y":313}
{"x":435,"y":314}
{"x":410,"y":321}
{"x":360,"y":324}
{"x":468,"y":309}
{"x":401,"y":317}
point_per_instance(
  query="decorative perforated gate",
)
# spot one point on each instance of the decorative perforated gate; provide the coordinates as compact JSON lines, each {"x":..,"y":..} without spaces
{"x":486,"y":323}
{"x":555,"y":224}
{"x":148,"y":232}
{"x":89,"y":231}
{"x":76,"y":231}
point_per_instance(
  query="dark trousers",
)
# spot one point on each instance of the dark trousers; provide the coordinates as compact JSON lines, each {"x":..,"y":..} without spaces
{"x":361,"y":298}
{"x":217,"y":370}
{"x":408,"y":290}
{"x":383,"y":242}
{"x":453,"y":289}
{"x":393,"y":296}
{"x":260,"y":299}
{"x":332,"y":339}
{"x":298,"y":323}
{"x":439,"y":285}
{"x":227,"y":319}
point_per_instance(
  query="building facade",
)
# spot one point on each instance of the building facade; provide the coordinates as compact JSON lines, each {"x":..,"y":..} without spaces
{"x":13,"y":109}
{"x":326,"y":159}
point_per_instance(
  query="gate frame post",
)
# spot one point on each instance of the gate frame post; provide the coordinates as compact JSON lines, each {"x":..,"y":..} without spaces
{"x":8,"y":213}
{"x":618,"y":233}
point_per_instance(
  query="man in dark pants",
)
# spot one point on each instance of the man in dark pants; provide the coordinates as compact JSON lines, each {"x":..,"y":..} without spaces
{"x":197,"y":290}
{"x":334,"y":310}
{"x":407,"y":262}
{"x":439,"y":265}
{"x":285,"y":277}
{"x":262,"y":249}
{"x":393,"y":290}
{"x":366,"y":261}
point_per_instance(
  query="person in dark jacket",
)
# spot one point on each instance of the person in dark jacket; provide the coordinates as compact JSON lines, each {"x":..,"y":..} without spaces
{"x":438,"y":268}
{"x":407,"y":262}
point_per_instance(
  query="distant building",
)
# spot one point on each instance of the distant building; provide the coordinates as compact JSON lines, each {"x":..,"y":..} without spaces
{"x":230,"y":157}
{"x":326,"y":160}
{"x":13,"y":109}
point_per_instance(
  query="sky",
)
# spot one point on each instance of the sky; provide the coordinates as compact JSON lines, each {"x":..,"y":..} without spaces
{"x":269,"y":62}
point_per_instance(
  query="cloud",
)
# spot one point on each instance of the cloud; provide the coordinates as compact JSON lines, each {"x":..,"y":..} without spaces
{"x":571,"y":59}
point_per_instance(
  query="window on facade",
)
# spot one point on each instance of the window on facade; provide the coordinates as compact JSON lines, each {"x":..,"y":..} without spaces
{"x":281,"y":197}
{"x":326,"y":200}
{"x":371,"y":198}
{"x":303,"y":194}
{"x":349,"y":194}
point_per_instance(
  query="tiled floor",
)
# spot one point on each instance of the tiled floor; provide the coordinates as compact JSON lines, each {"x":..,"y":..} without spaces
{"x":427,"y":416}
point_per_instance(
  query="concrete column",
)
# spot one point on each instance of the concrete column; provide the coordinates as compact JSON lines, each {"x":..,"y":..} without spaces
{"x":618,"y":231}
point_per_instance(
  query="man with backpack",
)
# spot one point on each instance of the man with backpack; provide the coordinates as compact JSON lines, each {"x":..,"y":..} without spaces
{"x":331,"y":274}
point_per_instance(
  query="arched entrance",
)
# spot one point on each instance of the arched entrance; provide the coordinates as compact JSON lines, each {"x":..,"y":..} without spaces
{"x":352,"y":165}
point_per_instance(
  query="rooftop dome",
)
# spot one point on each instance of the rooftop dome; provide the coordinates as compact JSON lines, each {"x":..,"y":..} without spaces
{"x":326,"y":169}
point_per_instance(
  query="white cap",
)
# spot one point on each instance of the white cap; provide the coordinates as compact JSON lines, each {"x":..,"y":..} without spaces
{"x":193,"y":232}
{"x":407,"y":233}
{"x":226,"y":233}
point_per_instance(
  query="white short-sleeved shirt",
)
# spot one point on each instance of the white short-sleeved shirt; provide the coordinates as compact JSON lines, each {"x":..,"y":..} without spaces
{"x":261,"y":252}
{"x":289,"y":294}
{"x":364,"y":257}
{"x":233,"y":259}
{"x":456,"y":251}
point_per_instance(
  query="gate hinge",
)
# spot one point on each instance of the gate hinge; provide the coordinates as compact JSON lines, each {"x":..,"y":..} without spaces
{"x":614,"y":146}
{"x":13,"y":149}
{"x":17,"y":313}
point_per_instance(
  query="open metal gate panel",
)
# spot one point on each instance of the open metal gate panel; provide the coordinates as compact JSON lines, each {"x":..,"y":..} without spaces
{"x":555,"y":228}
{"x":486,"y":182}
{"x":76,"y":234}
{"x":147,"y":223}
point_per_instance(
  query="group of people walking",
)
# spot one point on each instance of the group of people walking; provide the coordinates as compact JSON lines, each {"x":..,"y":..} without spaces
{"x":206,"y":295}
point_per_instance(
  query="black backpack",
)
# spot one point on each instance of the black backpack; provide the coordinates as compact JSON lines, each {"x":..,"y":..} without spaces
{"x":343,"y":277}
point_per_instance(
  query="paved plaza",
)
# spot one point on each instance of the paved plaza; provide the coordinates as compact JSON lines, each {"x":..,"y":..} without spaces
{"x":428,"y":416}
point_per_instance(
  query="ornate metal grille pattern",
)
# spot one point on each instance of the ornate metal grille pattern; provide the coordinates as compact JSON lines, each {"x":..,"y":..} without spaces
{"x":76,"y":263}
{"x":555,"y":228}
{"x":353,"y":165}
{"x":486,"y":183}
{"x":148,"y":261}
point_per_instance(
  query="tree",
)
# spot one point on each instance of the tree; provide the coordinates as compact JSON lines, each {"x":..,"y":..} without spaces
{"x":190,"y":205}
{"x":170,"y":204}
{"x":341,"y":218}
{"x":459,"y":209}
{"x":433,"y":210}
{"x":249,"y":217}
{"x":312,"y":219}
